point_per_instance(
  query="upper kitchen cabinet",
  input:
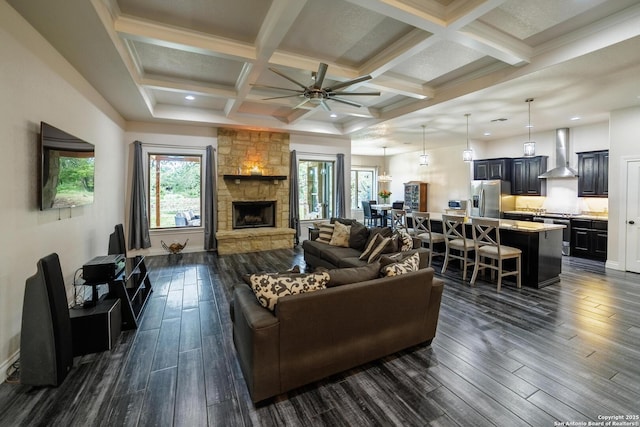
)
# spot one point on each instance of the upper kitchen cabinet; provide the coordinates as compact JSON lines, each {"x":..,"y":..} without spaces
{"x":593,"y":171}
{"x":524,"y":176}
{"x":492,"y":169}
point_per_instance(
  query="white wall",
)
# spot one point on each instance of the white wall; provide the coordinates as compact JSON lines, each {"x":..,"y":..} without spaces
{"x":37,"y":84}
{"x":171,"y":136}
{"x":625,"y":145}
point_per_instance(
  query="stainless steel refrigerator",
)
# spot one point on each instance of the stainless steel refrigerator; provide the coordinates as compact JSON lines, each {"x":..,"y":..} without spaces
{"x":491,"y":198}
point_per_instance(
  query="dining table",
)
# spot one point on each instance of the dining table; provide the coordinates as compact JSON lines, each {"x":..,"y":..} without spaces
{"x":383,"y":208}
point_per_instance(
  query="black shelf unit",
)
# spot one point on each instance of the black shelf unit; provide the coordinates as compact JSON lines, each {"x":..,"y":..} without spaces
{"x":133,"y":287}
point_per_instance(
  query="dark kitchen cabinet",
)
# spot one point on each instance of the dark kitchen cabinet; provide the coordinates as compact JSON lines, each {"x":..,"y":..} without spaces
{"x":589,"y":239}
{"x":593,"y":171}
{"x":492,"y":169}
{"x":524,"y":176}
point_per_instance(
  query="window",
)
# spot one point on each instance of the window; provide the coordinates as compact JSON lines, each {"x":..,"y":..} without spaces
{"x":175,"y":190}
{"x":362,"y":187}
{"x":315,"y":194}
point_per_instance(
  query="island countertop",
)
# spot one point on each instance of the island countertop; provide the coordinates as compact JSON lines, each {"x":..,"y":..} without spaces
{"x":515,"y":225}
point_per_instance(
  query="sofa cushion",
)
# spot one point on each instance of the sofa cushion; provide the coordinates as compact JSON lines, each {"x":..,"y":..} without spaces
{"x":359,"y":236}
{"x":345,"y":276}
{"x":410,"y":264}
{"x":340,"y":236}
{"x":326,"y":232}
{"x":371,"y":245}
{"x":268,"y":288}
{"x":334,"y":254}
{"x":405,"y":241}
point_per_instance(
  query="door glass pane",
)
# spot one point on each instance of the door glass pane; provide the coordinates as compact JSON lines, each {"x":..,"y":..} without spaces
{"x":174,"y":191}
{"x":316,"y":181}
{"x":361,"y":187}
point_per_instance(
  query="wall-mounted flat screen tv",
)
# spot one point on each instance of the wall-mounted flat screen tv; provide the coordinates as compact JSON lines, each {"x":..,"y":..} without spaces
{"x":67,"y":169}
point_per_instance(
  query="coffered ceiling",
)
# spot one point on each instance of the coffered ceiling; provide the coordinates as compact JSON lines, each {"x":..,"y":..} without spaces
{"x":431,"y":60}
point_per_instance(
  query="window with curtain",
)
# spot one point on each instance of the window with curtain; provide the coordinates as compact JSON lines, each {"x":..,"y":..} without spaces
{"x":362,"y":186}
{"x":175,"y":189}
{"x":316,"y":189}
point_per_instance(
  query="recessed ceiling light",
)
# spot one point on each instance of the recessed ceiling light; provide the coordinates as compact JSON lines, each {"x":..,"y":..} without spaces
{"x":576,"y":118}
{"x":529,"y":126}
{"x":189,"y":97}
{"x":487,"y":134}
{"x":333,"y":115}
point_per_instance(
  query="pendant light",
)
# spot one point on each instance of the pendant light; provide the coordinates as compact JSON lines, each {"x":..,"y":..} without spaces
{"x":467,"y":155}
{"x":384,"y":177}
{"x":529,"y":146}
{"x":424,"y":157}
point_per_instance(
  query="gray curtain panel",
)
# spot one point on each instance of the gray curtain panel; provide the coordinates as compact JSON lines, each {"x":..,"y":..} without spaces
{"x":210,"y":242}
{"x":341,"y":207}
{"x":294,"y":213}
{"x":138,"y":216}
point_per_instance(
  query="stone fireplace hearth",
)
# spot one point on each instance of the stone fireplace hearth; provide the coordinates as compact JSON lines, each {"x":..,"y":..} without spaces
{"x":240,"y":152}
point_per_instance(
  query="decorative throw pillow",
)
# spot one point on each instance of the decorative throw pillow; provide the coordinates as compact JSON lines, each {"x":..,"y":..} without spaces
{"x":383,"y":231}
{"x":371,"y":245}
{"x":268,"y":288}
{"x":326,"y":232}
{"x":340,"y":236}
{"x":384,"y":246}
{"x":246,"y":278}
{"x":358,"y":237}
{"x":397,"y":268}
{"x":405,"y":241}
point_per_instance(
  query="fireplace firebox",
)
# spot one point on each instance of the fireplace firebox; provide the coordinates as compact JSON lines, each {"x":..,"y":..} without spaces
{"x":254,"y":214}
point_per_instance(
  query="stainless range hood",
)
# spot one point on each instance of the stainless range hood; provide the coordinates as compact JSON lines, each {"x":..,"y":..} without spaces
{"x":562,"y":169}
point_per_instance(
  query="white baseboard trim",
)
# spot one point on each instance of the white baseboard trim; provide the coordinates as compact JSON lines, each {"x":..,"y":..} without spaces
{"x":6,"y":364}
{"x":614,"y":265}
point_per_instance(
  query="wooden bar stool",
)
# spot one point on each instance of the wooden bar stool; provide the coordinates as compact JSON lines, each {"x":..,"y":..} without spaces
{"x":489,"y":247}
{"x":457,"y":244}
{"x":422,"y":230}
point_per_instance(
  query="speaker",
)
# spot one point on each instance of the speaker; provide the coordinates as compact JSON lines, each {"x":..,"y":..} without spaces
{"x":46,"y":352}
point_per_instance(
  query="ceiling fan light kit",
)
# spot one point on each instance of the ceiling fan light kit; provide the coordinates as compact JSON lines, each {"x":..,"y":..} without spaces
{"x":317,"y":94}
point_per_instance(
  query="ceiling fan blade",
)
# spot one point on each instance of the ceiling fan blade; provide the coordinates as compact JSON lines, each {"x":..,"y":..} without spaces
{"x":324,"y":105}
{"x":348,"y":83}
{"x":288,"y":78}
{"x":280,"y":97}
{"x":355,"y":93}
{"x":301,"y":104}
{"x":276,"y":87}
{"x":322,"y":71}
{"x":344,"y":101}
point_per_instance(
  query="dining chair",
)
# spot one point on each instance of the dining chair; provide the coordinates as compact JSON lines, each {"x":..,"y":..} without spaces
{"x":399,"y":219}
{"x":370,"y":217}
{"x":422,"y":230}
{"x":486,"y":238}
{"x":458,"y":246}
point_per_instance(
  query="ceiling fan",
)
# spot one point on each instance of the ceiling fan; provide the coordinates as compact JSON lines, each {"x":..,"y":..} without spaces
{"x":317,"y":94}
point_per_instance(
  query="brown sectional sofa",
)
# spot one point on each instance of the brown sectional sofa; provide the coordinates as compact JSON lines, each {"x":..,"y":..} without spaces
{"x":312,"y":335}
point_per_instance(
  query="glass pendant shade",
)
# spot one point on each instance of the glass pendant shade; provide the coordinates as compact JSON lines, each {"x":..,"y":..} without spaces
{"x":529,"y":146}
{"x":467,"y":155}
{"x":384,"y":177}
{"x":424,"y":157}
{"x":530,"y":149}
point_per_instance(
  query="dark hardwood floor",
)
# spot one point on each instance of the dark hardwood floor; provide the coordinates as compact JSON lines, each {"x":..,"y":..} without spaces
{"x":569,"y":352}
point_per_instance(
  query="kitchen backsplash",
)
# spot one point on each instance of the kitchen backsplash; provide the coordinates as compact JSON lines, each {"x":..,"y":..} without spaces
{"x":564,"y":203}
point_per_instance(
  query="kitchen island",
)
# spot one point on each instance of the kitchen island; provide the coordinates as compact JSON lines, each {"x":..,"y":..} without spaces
{"x":540,"y":243}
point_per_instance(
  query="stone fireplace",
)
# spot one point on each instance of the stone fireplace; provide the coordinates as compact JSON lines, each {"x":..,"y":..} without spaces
{"x":254,"y":214}
{"x":253,"y":168}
